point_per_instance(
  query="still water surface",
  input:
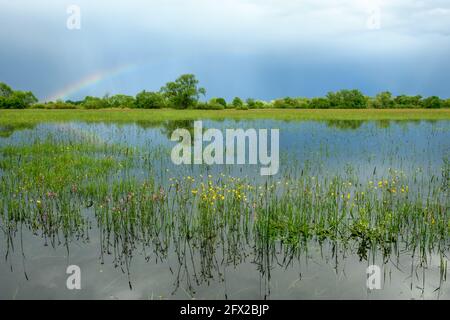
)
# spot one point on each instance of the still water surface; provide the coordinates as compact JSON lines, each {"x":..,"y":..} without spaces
{"x":34,"y":268}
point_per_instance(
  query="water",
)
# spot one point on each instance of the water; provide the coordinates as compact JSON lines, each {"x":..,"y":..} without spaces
{"x":35,"y":267}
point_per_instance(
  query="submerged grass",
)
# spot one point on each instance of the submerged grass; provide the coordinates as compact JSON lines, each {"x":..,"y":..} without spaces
{"x":60,"y":188}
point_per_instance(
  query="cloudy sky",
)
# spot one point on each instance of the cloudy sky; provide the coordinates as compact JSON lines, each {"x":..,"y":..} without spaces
{"x":250,"y":48}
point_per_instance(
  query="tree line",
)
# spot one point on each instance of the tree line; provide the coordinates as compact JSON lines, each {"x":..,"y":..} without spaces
{"x":185,"y":93}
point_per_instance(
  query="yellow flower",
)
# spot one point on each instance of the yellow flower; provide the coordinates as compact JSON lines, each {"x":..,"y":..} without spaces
{"x":194,"y":191}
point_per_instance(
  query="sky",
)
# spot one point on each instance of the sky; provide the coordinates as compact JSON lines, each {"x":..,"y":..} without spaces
{"x":263,"y":49}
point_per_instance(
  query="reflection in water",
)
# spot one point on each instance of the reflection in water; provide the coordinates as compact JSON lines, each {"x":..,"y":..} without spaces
{"x":8,"y":130}
{"x":93,"y":193}
{"x":168,"y":127}
{"x":345,"y":124}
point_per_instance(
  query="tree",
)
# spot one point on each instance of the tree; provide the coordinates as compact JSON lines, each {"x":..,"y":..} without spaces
{"x":446,"y":103}
{"x":183,"y":92}
{"x":302,"y":102}
{"x":121,"y":101}
{"x":432,"y":102}
{"x":237,"y":102}
{"x":94,"y":103}
{"x":251,"y":104}
{"x":5,"y":90}
{"x":220,"y":101}
{"x":383,"y":100}
{"x":404,"y":101}
{"x":279,"y":104}
{"x":319,"y":103}
{"x":287,"y":102}
{"x":17,"y":100}
{"x":149,"y":100}
{"x":10,"y":99}
{"x":350,"y":99}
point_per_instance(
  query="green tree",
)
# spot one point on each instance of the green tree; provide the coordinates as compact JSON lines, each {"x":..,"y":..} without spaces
{"x":319,"y":103}
{"x":149,"y":100}
{"x":284,"y":103}
{"x":10,"y":99}
{"x":237,"y":102}
{"x":183,"y":92}
{"x":404,"y":101}
{"x":220,"y":101}
{"x":383,"y":100}
{"x":5,"y":90}
{"x":350,"y":99}
{"x":121,"y":101}
{"x":94,"y":103}
{"x":432,"y":102}
{"x":446,"y":103}
{"x":18,"y":100}
{"x":250,"y":102}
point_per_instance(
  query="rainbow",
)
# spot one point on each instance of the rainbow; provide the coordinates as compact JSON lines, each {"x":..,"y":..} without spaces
{"x":90,"y":80}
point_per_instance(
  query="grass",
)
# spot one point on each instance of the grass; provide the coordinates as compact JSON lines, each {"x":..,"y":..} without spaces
{"x":59,"y":188}
{"x":12,"y":117}
{"x":66,"y":184}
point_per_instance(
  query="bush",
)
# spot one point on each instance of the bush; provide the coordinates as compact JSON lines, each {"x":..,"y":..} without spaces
{"x":121,"y":101}
{"x":347,"y":99}
{"x":446,"y":103}
{"x":285,"y":103}
{"x":10,"y":99}
{"x":54,"y":105}
{"x":94,"y":103}
{"x":383,"y":100}
{"x":302,"y":103}
{"x":209,"y":106}
{"x":319,"y":103}
{"x":432,"y":102}
{"x":149,"y":100}
{"x":404,"y":101}
{"x":237,"y":102}
{"x":220,"y":101}
{"x":251,"y":104}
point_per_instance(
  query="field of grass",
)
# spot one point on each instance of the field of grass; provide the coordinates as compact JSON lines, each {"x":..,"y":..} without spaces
{"x":130,"y":115}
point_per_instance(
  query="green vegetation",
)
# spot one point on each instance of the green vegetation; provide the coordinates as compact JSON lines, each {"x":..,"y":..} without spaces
{"x":22,"y":117}
{"x":10,"y":99}
{"x":184,"y":93}
{"x":49,"y":188}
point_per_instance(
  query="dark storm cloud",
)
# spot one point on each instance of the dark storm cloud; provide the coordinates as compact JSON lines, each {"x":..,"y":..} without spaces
{"x":262,"y":49}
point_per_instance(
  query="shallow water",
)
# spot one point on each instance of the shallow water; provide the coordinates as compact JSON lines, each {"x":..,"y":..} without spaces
{"x":35,"y":267}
